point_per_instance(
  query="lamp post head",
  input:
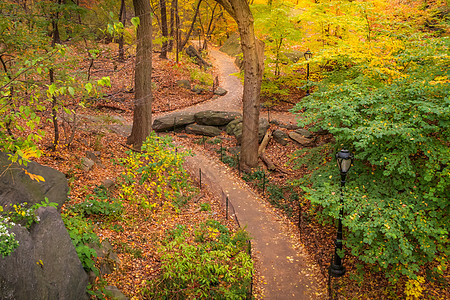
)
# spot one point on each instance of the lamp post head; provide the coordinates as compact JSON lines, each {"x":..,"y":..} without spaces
{"x":307,"y":55}
{"x":344,"y":160}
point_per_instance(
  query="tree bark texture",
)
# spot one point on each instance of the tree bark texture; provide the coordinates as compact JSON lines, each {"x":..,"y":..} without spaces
{"x":253,"y":51}
{"x":142,"y":116}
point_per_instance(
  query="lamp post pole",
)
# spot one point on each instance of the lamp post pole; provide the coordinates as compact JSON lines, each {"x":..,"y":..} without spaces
{"x":344,"y":159}
{"x":307,"y":56}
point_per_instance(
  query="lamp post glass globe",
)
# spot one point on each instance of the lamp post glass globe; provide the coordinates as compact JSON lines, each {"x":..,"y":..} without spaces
{"x":344,"y":159}
{"x":307,"y":55}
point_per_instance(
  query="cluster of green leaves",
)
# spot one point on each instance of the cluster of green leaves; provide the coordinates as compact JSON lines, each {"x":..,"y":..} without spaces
{"x":155,"y":175}
{"x":198,"y":75}
{"x":398,"y":125}
{"x":99,"y":204}
{"x":207,"y":262}
{"x":81,"y":232}
{"x":278,"y":28}
{"x":36,"y":74}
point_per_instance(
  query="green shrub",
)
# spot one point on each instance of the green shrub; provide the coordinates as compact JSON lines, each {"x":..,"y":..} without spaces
{"x":259,"y":176}
{"x":396,"y":201}
{"x":155,"y":175}
{"x":82,"y":234}
{"x":100,"y":204}
{"x":213,"y":264}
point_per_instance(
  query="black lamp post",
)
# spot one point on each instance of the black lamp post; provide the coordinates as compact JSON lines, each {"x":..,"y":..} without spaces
{"x":308,"y":56}
{"x":344,"y":160}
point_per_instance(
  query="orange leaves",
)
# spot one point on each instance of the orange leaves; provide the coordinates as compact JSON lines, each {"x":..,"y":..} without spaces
{"x":38,"y":178}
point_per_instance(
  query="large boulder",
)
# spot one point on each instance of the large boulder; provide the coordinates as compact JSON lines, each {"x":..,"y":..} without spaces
{"x":203,"y":130}
{"x":280,"y":137}
{"x":220,"y":91}
{"x":215,"y":118}
{"x":192,"y":52}
{"x":305,"y":133}
{"x":174,"y":120}
{"x":17,"y":187}
{"x":294,"y":56}
{"x":184,"y":83}
{"x":235,"y":128}
{"x":300,"y":139}
{"x":45,"y":265}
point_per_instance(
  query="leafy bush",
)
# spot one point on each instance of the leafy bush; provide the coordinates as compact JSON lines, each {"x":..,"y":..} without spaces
{"x":213,"y":264}
{"x":397,"y":123}
{"x":82,"y":234}
{"x":99,"y":204}
{"x":155,"y":175}
{"x":232,"y":161}
{"x":27,"y":216}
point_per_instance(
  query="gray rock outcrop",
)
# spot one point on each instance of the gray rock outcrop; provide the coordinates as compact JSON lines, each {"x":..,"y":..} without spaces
{"x":45,"y":265}
{"x":203,"y":130}
{"x":17,"y":187}
{"x":220,"y":91}
{"x":305,"y":133}
{"x":114,"y":293}
{"x":232,"y":45}
{"x":235,"y":128}
{"x":174,"y":120}
{"x":215,"y":118}
{"x":300,"y":139}
{"x":184,"y":83}
{"x":280,"y":137}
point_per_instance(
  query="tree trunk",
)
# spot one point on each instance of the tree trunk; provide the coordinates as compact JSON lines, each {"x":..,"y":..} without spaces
{"x":122,"y":20}
{"x":164,"y":29}
{"x":253,"y":51}
{"x":142,"y":116}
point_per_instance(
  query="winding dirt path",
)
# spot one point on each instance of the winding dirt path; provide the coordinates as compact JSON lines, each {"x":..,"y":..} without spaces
{"x":284,"y":268}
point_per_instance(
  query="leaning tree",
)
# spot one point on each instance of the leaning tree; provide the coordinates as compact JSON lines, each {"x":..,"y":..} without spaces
{"x":253,"y":51}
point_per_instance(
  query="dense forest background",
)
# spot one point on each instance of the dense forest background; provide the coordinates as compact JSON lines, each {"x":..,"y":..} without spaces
{"x":378,"y":84}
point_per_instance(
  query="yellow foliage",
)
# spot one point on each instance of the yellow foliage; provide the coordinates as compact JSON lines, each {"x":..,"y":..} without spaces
{"x":38,"y":178}
{"x":414,"y":289}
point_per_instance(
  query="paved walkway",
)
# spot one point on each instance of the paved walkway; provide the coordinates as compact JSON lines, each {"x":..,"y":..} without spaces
{"x":282,"y":262}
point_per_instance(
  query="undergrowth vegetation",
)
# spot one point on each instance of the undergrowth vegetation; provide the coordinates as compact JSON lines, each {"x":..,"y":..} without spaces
{"x":397,"y":125}
{"x":200,"y":261}
{"x":206,"y":262}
